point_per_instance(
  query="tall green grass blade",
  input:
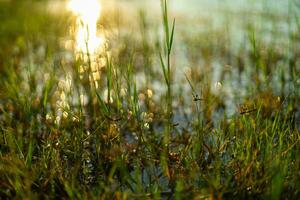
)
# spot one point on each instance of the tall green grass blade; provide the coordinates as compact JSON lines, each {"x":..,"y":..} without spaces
{"x":164,"y":69}
{"x":30,"y":154}
{"x":102,"y":105}
{"x":171,"y":37}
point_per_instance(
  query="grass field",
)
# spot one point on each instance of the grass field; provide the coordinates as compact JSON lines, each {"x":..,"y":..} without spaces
{"x":153,"y":111}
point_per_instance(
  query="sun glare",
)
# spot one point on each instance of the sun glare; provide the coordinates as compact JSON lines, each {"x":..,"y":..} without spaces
{"x":87,"y":12}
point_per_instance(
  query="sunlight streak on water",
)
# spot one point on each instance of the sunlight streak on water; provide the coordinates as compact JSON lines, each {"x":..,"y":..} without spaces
{"x":89,"y":46}
{"x":87,"y":12}
{"x":89,"y":42}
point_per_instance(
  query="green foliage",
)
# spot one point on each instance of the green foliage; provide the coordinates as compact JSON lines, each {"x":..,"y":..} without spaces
{"x":114,"y":138}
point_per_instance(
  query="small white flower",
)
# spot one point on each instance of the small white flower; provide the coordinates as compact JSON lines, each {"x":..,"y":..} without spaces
{"x":83,"y":99}
{"x":48,"y":117}
{"x":143,"y":115}
{"x":218,"y":86}
{"x":105,"y":94}
{"x":65,"y":114}
{"x":68,"y":83}
{"x":149,"y":93}
{"x":63,"y":96}
{"x":82,"y":69}
{"x":146,"y":125}
{"x":57,"y":120}
{"x":96,"y":76}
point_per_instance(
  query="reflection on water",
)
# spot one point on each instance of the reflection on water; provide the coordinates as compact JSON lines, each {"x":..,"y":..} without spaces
{"x":89,"y":49}
{"x":90,"y":44}
{"x":87,"y":13}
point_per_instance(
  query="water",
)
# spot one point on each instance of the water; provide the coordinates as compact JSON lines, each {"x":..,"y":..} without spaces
{"x":232,"y":18}
{"x":192,"y":17}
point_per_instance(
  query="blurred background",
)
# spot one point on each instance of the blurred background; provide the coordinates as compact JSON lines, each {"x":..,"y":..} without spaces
{"x":231,"y":47}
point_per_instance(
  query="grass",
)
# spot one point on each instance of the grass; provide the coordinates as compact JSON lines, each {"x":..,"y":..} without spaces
{"x":64,"y":133}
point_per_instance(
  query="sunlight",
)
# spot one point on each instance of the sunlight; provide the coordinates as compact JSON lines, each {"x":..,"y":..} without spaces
{"x":88,"y":13}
